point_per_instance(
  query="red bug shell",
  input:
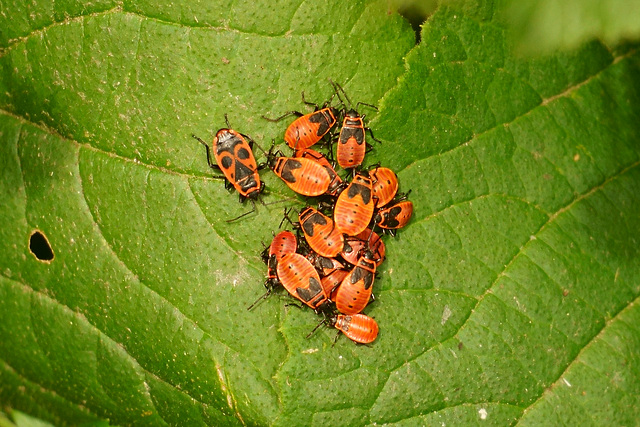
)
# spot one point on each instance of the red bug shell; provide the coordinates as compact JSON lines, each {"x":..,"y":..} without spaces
{"x":354,"y":247}
{"x":357,"y":327}
{"x":355,"y":290}
{"x":354,"y":208}
{"x":304,"y":176}
{"x":320,"y":232}
{"x":394,"y":216}
{"x":331,"y":282}
{"x":283,"y":243}
{"x":301,"y":280}
{"x":384,"y":185}
{"x":351,"y":142}
{"x":334,"y":185}
{"x":310,"y":128}
{"x":236,"y":161}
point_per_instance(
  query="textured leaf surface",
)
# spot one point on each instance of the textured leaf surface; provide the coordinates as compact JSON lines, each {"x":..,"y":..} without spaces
{"x":510,"y":297}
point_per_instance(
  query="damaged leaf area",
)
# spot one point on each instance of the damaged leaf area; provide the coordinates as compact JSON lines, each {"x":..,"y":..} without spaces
{"x":510,"y":298}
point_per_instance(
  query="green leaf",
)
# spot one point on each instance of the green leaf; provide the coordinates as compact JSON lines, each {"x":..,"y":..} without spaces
{"x":545,"y":25}
{"x":510,"y":297}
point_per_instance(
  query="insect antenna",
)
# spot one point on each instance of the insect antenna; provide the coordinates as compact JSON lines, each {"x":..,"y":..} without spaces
{"x":337,"y":88}
{"x":368,"y":105}
{"x":244,"y":214}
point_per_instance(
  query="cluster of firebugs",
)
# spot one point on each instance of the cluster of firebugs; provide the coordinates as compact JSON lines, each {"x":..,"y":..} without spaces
{"x":330,"y":262}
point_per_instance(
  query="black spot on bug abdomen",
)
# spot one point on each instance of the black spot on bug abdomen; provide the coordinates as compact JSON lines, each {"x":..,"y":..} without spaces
{"x":226,"y":161}
{"x":347,"y":133}
{"x":309,"y":225}
{"x":287,"y":170}
{"x":243,"y":153}
{"x":308,"y":293}
{"x":323,"y":122}
{"x":363,"y":191}
{"x":391,"y":218}
{"x":360,"y":273}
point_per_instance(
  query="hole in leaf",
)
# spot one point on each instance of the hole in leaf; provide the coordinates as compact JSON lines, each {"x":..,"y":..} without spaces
{"x":40,"y":247}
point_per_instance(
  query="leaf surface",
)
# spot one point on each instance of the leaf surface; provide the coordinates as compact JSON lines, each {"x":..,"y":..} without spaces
{"x":510,"y":296}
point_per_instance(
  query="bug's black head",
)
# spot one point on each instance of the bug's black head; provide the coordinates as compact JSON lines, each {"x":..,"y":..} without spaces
{"x":368,"y":254}
{"x":253,"y":194}
{"x":352,"y":114}
{"x":225,"y":134}
{"x":264,"y":255}
{"x":273,"y":155}
{"x":305,"y":211}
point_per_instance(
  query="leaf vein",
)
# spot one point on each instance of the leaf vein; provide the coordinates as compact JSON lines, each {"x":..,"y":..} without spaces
{"x":119,"y":9}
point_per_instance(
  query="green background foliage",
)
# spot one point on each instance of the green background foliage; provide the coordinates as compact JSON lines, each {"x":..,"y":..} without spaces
{"x":511,"y":297}
{"x":544,"y":25}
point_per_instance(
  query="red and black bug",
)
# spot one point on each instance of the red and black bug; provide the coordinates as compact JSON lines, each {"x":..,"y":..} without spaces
{"x":394,"y":216}
{"x":384,"y":185}
{"x":321,"y":233}
{"x":355,"y":247}
{"x":336,"y":181}
{"x":304,"y":176}
{"x":283,"y":243}
{"x":301,"y":280}
{"x":310,"y":128}
{"x":354,"y":208}
{"x":234,"y":157}
{"x":352,"y":146}
{"x":354,"y":292}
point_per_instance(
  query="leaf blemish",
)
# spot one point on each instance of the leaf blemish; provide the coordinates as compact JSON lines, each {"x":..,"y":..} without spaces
{"x":483,"y":413}
{"x":446,"y":313}
{"x":223,"y":387}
